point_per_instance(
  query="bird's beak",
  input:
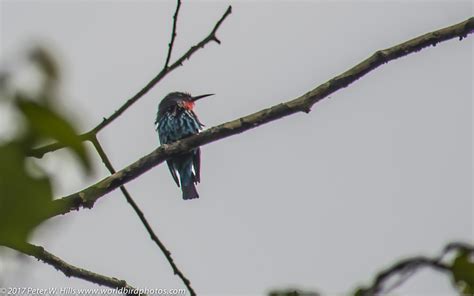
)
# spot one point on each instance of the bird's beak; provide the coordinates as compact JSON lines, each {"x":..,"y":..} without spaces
{"x":194,"y":99}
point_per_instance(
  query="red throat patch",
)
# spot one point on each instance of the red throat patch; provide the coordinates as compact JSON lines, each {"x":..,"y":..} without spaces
{"x":189,"y":105}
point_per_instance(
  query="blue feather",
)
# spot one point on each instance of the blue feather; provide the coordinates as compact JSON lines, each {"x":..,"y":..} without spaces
{"x":175,"y":124}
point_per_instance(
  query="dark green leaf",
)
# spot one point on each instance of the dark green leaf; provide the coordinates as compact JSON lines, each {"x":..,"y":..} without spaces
{"x":47,"y":124}
{"x":24,"y":200}
{"x":360,"y":292}
{"x":463,"y":272}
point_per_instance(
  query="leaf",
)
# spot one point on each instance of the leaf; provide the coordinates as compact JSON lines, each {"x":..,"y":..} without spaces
{"x":4,"y":77}
{"x":360,"y":292}
{"x":25,"y":200}
{"x":46,"y":123}
{"x":463,"y":272}
{"x":25,"y":190}
{"x":45,"y":62}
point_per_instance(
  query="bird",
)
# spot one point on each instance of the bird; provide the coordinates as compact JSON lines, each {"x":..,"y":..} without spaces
{"x":176,"y":120}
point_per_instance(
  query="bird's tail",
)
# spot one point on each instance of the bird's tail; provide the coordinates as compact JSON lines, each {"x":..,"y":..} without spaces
{"x":187,"y":177}
{"x":189,"y":191}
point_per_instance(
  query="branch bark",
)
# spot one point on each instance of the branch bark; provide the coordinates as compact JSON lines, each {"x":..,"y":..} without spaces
{"x":88,"y":196}
{"x":72,"y":271}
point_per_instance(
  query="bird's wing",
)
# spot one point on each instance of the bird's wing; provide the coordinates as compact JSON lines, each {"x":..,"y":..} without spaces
{"x":197,"y":165}
{"x":173,"y":171}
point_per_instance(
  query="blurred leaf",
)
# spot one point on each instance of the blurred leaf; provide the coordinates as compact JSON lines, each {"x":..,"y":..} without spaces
{"x":360,"y":292}
{"x":46,"y":123}
{"x":4,"y":76}
{"x":45,"y":62}
{"x":50,"y":74}
{"x":24,"y":200}
{"x":463,"y":272}
{"x":25,"y":189}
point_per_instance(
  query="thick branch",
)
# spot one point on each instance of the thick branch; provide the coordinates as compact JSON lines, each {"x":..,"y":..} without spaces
{"x":88,"y":196}
{"x":144,"y":221}
{"x":72,"y":271}
{"x":39,"y":152}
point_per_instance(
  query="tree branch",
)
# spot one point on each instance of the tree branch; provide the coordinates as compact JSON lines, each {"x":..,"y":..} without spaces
{"x":39,"y":152}
{"x":72,"y":271}
{"x":88,"y":196}
{"x":144,"y":221}
{"x":403,"y":267}
{"x":408,"y":267}
{"x":173,"y":34}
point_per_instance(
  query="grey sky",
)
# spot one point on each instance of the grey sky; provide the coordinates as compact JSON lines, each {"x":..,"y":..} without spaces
{"x":381,"y":170}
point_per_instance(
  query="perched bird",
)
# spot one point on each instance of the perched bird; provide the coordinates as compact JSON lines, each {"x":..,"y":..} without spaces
{"x":176,"y":120}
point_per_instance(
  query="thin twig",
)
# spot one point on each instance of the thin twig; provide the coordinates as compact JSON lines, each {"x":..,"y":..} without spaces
{"x":173,"y":34}
{"x":88,"y":196}
{"x":39,"y":152}
{"x":144,"y":221}
{"x":72,"y":271}
{"x":408,"y":267}
{"x":403,"y":267}
{"x":403,"y":278}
